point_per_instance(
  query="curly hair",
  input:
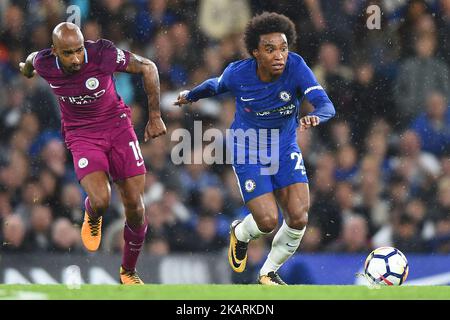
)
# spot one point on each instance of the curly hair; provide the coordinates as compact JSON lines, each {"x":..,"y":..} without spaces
{"x":268,"y":22}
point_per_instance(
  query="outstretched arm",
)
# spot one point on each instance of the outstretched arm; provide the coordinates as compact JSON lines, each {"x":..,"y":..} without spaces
{"x":209,"y":88}
{"x":26,"y":68}
{"x":139,"y":65}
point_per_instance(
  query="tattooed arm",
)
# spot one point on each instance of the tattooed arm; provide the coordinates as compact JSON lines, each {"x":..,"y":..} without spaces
{"x":139,"y":65}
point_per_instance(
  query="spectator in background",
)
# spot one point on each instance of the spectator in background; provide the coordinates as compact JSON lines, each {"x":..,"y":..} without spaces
{"x":397,"y":194}
{"x":333,"y":75}
{"x":11,"y":115}
{"x":433,"y":125}
{"x":14,"y":235}
{"x":417,"y":210}
{"x":419,"y":168}
{"x":340,"y":134}
{"x":370,"y":187}
{"x":29,"y":125}
{"x":32,"y":194}
{"x":419,"y":75}
{"x":345,"y":199}
{"x":51,"y":188}
{"x":13,"y":31}
{"x":413,"y":11}
{"x":441,"y":205}
{"x":376,"y":147}
{"x":195,"y":177}
{"x":205,"y":237}
{"x":440,"y":243}
{"x":406,"y":235}
{"x":40,"y":225}
{"x":71,"y":203}
{"x":65,"y":236}
{"x":5,"y":202}
{"x":234,"y":16}
{"x":354,"y":237}
{"x":371,"y":99}
{"x":158,"y":246}
{"x":326,"y":214}
{"x":407,"y":230}
{"x":151,"y":17}
{"x":14,"y":174}
{"x":186,"y":53}
{"x":212,"y":204}
{"x":347,"y":163}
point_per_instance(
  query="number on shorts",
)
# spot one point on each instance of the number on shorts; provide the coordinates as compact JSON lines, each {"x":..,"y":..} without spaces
{"x":136,"y":150}
{"x":298,"y":165}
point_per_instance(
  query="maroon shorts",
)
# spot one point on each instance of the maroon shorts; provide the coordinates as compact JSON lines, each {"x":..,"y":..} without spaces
{"x":114,"y":150}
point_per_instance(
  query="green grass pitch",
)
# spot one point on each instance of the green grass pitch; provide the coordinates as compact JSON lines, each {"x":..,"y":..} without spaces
{"x":222,"y":292}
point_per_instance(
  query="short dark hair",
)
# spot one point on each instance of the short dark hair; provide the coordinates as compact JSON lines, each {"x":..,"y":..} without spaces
{"x":268,"y":22}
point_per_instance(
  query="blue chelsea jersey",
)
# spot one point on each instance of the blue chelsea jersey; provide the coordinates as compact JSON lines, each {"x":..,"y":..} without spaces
{"x":263,"y":104}
{"x":268,"y":105}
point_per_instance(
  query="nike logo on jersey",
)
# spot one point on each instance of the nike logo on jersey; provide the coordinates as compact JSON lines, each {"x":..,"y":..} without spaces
{"x":291,"y":245}
{"x":140,"y":163}
{"x":245,"y":100}
{"x":54,"y":87}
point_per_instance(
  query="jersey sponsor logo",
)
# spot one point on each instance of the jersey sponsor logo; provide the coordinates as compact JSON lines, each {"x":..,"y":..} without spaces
{"x":285,"y":96}
{"x":250,"y":185}
{"x":54,"y":87}
{"x":82,"y":163}
{"x":92,"y":83}
{"x":248,"y":99}
{"x":284,"y":110}
{"x":120,"y":56}
{"x":83,"y":99}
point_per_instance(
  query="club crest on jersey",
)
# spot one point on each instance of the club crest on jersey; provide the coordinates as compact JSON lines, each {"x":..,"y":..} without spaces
{"x":250,"y":185}
{"x":92,"y":83}
{"x":285,"y":96}
{"x":82,"y":163}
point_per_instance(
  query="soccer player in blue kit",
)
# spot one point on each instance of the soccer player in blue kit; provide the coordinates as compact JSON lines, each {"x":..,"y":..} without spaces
{"x":269,"y":88}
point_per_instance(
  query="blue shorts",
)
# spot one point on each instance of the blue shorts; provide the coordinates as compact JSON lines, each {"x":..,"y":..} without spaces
{"x":291,"y":169}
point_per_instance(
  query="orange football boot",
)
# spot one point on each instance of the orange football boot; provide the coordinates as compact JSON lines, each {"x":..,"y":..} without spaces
{"x":129,"y":277}
{"x":91,"y":232}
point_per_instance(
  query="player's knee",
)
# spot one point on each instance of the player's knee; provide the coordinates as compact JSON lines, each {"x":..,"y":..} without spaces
{"x":134,"y":204}
{"x":99,"y":202}
{"x":267,"y":224}
{"x":298,"y":217}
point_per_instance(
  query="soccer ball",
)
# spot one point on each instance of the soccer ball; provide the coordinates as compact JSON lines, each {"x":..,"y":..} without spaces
{"x":386,"y":266}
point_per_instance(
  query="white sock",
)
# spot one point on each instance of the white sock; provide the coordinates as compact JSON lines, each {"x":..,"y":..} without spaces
{"x":284,"y":245}
{"x":247,"y":230}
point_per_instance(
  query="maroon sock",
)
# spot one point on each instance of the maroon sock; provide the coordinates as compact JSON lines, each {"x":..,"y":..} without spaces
{"x":88,"y":208}
{"x":134,"y":240}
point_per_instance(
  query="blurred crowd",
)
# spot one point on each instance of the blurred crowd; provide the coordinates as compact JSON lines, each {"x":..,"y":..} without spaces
{"x":379,"y":171}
